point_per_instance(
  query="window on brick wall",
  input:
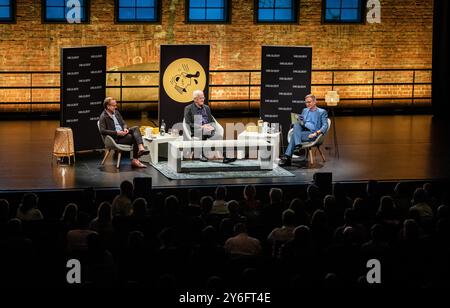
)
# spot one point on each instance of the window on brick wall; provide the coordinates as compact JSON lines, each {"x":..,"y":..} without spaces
{"x":61,"y":11}
{"x":276,"y":11}
{"x":7,"y":11}
{"x":131,"y":11}
{"x":343,"y":11}
{"x":211,"y":11}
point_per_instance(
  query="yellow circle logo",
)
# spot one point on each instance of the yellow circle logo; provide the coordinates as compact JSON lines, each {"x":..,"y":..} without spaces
{"x":182,"y":77}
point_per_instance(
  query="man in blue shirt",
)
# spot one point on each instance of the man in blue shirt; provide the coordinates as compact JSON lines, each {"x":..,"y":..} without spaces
{"x":313,"y":121}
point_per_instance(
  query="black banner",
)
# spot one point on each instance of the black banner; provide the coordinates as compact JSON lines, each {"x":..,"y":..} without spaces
{"x":83,"y":82}
{"x":183,"y":69}
{"x":285,"y":81}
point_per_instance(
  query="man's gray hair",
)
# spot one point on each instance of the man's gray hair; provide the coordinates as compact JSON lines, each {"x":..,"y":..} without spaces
{"x":197,"y":93}
{"x":311,"y":96}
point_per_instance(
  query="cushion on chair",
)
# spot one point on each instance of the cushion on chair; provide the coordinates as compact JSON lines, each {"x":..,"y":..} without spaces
{"x":111,"y":144}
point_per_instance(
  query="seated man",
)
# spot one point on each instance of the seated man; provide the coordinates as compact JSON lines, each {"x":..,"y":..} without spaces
{"x":313,"y":122}
{"x":112,"y":124}
{"x":198,"y":116}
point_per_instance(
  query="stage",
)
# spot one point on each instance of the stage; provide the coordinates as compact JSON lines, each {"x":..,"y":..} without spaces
{"x":395,"y":147}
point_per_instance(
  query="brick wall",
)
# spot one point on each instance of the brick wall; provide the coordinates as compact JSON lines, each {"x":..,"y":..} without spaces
{"x":402,"y":40}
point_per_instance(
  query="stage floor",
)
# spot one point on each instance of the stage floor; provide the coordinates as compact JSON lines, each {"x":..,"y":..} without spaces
{"x":409,"y":147}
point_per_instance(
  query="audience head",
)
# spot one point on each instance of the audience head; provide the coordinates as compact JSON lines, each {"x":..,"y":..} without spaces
{"x":233,"y":207}
{"x":240,"y":228}
{"x":29,"y":201}
{"x":275,"y":195}
{"x":136,"y":240}
{"x":126,"y":189}
{"x":401,"y":190}
{"x":70,"y":214}
{"x":377,"y":232}
{"x":209,"y":235}
{"x":221,"y":193}
{"x":428,"y":187}
{"x":420,"y":196}
{"x":302,"y":234}
{"x":206,"y":204}
{"x":166,"y":236}
{"x":140,"y":208}
{"x":297,"y":205}
{"x":331,"y":280}
{"x":349,"y":235}
{"x":387,"y":207}
{"x":329,"y":203}
{"x":319,"y":220}
{"x":313,"y":192}
{"x":171,"y":205}
{"x":288,"y":218}
{"x":94,"y":243}
{"x":349,"y":216}
{"x":410,"y":229}
{"x":359,"y":205}
{"x":249,"y":192}
{"x":443,"y":211}
{"x":14,"y":227}
{"x":104,"y":212}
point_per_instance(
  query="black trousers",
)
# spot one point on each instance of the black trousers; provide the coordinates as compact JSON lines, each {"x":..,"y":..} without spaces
{"x":134,"y":137}
{"x":206,"y":137}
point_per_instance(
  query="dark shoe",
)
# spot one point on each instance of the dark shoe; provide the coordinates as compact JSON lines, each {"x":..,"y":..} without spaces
{"x":227,"y":160}
{"x":143,"y":152}
{"x":301,"y":153}
{"x":285,"y":161}
{"x":203,"y":159}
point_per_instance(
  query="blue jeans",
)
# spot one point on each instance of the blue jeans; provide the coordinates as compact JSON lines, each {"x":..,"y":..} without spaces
{"x":300,"y":135}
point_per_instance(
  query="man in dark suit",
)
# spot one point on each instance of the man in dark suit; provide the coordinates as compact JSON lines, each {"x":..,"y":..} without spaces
{"x":198,"y":117}
{"x":112,"y":124}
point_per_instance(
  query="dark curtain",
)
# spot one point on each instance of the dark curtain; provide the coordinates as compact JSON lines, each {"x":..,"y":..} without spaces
{"x":441,"y":54}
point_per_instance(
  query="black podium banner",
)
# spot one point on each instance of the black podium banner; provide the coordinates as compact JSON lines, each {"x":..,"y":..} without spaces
{"x":183,"y":69}
{"x":285,"y":81}
{"x":83,"y":82}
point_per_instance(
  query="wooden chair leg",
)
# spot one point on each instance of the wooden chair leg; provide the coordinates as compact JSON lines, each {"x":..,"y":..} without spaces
{"x":106,"y":155}
{"x":311,"y":156}
{"x":119,"y":156}
{"x":69,"y":159}
{"x":321,"y":154}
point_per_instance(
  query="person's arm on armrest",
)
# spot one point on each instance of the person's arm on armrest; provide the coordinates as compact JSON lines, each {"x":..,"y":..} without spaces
{"x":324,"y":119}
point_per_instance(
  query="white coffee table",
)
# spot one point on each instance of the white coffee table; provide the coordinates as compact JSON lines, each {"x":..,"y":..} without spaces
{"x":262,"y":147}
{"x":274,"y":139}
{"x":152,"y":143}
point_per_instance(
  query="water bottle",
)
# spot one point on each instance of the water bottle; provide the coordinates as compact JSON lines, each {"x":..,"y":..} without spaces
{"x":162,"y":129}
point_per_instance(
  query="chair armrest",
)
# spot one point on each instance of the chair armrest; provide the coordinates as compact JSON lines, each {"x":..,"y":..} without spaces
{"x":110,"y":143}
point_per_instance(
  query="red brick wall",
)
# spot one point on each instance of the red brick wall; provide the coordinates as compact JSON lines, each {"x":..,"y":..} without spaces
{"x":403,"y":39}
